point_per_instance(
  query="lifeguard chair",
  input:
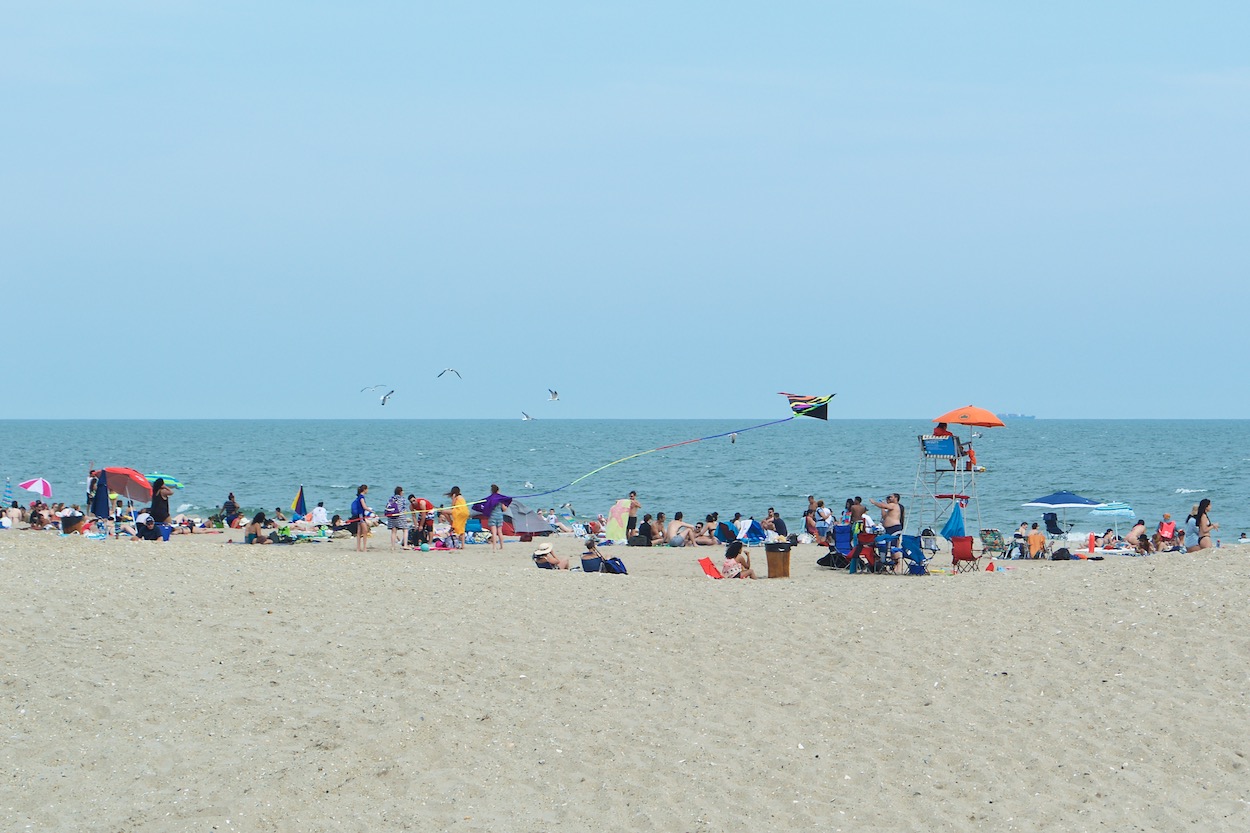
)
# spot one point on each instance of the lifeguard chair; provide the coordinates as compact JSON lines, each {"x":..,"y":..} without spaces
{"x":946,"y":476}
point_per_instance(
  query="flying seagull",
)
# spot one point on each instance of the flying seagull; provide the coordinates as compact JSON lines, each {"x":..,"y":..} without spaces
{"x":525,"y":417}
{"x":449,"y":370}
{"x":372,"y":387}
{"x":386,"y":396}
{"x":554,"y":396}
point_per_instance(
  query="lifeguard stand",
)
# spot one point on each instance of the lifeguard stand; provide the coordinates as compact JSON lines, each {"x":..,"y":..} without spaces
{"x":945,"y":475}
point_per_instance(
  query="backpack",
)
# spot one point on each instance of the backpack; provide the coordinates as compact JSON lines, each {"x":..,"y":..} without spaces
{"x":613,"y":565}
{"x":1061,"y":554}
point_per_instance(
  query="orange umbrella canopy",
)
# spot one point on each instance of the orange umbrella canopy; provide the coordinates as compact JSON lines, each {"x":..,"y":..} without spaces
{"x":970,"y":415}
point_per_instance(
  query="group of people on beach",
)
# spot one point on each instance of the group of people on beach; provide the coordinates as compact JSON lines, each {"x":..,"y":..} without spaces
{"x":1194,"y":535}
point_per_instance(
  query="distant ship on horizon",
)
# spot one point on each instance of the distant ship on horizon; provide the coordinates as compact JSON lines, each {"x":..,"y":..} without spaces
{"x":1015,"y":416}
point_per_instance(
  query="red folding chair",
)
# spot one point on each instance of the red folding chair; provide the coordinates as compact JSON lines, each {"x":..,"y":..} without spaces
{"x":709,"y":568}
{"x":963,"y":559}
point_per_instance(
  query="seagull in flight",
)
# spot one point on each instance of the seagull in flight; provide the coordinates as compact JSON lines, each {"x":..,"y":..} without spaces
{"x":386,"y":396}
{"x":554,"y":395}
{"x":373,"y":387}
{"x":449,"y":370}
{"x":525,"y":417}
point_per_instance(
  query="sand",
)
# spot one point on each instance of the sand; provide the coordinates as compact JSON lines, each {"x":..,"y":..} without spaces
{"x":198,"y":686}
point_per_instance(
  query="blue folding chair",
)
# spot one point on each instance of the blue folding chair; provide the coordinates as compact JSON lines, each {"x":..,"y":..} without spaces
{"x":914,"y":557}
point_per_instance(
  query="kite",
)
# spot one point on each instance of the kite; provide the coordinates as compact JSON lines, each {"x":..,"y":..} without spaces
{"x":811,"y":406}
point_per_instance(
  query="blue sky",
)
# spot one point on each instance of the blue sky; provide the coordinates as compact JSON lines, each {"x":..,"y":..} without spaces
{"x":659,"y":209}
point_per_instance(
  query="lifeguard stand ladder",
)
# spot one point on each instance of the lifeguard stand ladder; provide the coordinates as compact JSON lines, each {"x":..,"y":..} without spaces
{"x":945,"y":475}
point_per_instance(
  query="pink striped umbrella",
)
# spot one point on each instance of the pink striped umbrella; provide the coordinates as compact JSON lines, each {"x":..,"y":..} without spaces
{"x":39,"y":486}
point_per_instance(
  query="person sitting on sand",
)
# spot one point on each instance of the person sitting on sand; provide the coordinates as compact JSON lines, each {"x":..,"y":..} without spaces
{"x":1108,"y":541}
{"x":704,"y":534}
{"x":1165,"y":533}
{"x":1037,"y":542}
{"x":737,"y":562}
{"x":658,"y":531}
{"x":254,"y":532}
{"x":1138,"y":539}
{"x":679,"y":532}
{"x":145,"y":528}
{"x":545,"y":555}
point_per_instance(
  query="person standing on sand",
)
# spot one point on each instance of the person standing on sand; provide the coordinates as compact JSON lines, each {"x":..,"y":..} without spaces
{"x":397,"y":520}
{"x":1205,"y":527}
{"x":360,"y":514}
{"x":857,"y":511}
{"x":631,"y":523}
{"x":458,"y":516}
{"x":891,"y":514}
{"x":493,"y":508}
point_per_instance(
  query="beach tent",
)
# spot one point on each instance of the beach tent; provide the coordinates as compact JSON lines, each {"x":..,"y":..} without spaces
{"x":523,"y":520}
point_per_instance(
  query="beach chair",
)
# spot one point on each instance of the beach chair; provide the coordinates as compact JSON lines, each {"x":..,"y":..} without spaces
{"x":1053,"y":528}
{"x":843,"y":540}
{"x":963,"y":559}
{"x":992,"y":543}
{"x":929,"y":542}
{"x":889,"y":548}
{"x":754,"y":535}
{"x":725,"y":533}
{"x":913,"y":556}
{"x":592,"y":565}
{"x":709,"y":569}
{"x":864,"y":556}
{"x":543,"y":565}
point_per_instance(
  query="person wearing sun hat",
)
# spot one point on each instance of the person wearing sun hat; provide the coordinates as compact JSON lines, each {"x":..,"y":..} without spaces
{"x":545,"y":556}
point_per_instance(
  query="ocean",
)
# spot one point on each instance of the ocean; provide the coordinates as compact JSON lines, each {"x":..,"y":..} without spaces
{"x":1155,"y":466}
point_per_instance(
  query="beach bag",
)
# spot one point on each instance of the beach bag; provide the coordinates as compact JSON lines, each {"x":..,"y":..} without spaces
{"x":1061,"y":554}
{"x":613,"y":565}
{"x":638,"y":541}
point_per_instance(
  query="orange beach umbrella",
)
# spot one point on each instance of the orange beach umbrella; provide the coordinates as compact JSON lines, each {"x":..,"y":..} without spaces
{"x":970,"y":415}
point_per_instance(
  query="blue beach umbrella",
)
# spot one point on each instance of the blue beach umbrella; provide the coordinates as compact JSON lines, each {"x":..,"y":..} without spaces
{"x":1064,"y":501}
{"x":171,"y":482}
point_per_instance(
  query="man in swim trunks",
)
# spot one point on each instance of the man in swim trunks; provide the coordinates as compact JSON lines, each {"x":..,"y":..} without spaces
{"x":680,"y":533}
{"x":632,"y":522}
{"x":857,"y":511}
{"x":891,"y":513}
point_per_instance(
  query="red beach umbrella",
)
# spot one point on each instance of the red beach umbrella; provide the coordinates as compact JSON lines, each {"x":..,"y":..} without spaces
{"x":128,"y":483}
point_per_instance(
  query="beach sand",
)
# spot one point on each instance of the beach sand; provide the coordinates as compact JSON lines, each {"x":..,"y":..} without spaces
{"x":201,"y":686}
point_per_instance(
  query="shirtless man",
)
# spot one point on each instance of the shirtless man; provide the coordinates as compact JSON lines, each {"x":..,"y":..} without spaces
{"x":857,"y":512}
{"x":659,"y":535}
{"x":680,"y":533}
{"x":632,"y":522}
{"x":891,"y":514}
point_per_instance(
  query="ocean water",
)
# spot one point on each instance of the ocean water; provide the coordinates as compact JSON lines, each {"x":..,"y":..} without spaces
{"x":1155,"y":466}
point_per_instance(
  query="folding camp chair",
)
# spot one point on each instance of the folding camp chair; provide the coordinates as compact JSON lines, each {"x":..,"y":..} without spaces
{"x":992,"y":543}
{"x":843,"y":540}
{"x":709,"y":569}
{"x":1053,"y":529}
{"x":963,"y":559}
{"x":864,"y":556}
{"x":888,"y":549}
{"x":592,"y":565}
{"x":913,"y":556}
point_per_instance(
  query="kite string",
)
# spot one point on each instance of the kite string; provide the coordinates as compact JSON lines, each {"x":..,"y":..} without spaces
{"x":622,"y":460}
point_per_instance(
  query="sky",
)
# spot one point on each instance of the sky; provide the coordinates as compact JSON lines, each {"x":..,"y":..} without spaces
{"x":661,"y":210}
